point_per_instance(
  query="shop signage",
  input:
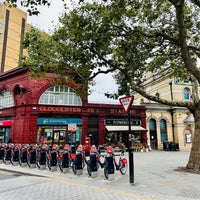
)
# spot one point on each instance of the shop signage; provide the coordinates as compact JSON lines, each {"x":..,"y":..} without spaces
{"x":59,"y":109}
{"x":5,"y":123}
{"x":121,"y":122}
{"x":72,"y":127}
{"x":58,"y":121}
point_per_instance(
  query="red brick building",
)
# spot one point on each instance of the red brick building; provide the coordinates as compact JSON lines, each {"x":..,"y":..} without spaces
{"x":30,"y":109}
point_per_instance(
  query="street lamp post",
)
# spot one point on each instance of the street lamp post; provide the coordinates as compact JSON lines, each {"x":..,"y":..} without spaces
{"x":130,"y":150}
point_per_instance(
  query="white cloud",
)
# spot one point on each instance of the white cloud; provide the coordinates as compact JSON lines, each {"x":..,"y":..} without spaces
{"x":104,"y":84}
{"x":48,"y":17}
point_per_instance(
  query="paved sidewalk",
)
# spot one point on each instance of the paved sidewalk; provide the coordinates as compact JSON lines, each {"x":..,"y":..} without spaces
{"x":154,"y":178}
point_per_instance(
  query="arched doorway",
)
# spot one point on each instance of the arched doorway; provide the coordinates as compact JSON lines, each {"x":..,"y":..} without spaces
{"x":153,"y":134}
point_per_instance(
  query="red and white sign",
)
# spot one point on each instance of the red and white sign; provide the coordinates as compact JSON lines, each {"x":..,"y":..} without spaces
{"x":72,"y":127}
{"x":5,"y":123}
{"x":126,"y":102}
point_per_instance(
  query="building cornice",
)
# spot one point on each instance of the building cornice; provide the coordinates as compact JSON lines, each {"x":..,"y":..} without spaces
{"x":13,"y":72}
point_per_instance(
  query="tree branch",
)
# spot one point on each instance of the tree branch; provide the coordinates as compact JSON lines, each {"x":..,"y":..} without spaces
{"x":196,"y":2}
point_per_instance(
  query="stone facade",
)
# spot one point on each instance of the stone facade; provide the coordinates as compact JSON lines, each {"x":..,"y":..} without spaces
{"x":178,"y":128}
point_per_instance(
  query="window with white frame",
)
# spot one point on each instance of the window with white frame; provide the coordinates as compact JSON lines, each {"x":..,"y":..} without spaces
{"x":60,"y":95}
{"x":6,"y":99}
{"x":186,"y":94}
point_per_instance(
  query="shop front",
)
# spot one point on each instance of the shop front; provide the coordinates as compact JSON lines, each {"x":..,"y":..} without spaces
{"x":59,"y":130}
{"x":118,"y":130}
{"x":5,"y":127}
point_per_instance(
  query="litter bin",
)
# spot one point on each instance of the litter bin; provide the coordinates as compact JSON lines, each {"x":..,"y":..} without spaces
{"x":166,"y":146}
{"x":172,"y":146}
{"x":177,"y":146}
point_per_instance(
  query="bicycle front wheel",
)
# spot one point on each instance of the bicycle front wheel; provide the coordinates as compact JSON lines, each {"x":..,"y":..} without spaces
{"x":89,"y":168}
{"x":74,"y":167}
{"x":60,"y":165}
{"x":106,"y":170}
{"x":123,"y":169}
{"x":49,"y":163}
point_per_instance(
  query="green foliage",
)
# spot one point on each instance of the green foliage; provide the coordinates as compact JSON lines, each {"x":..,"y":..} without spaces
{"x":41,"y":53}
{"x":127,"y":37}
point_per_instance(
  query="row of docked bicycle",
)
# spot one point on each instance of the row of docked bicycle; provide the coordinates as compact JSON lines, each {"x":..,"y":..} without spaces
{"x":54,"y":157}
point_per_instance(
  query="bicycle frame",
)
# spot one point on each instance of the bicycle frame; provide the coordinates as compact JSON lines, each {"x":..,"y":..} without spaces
{"x":110,"y":165}
{"x":123,"y":165}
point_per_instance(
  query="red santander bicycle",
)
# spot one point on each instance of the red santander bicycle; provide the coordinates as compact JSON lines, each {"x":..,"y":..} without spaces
{"x":110,"y":163}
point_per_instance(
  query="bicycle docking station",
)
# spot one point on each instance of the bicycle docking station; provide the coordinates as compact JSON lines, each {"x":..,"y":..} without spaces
{"x":15,"y":154}
{"x":111,"y":177}
{"x":24,"y":164}
{"x":94,"y":174}
{"x":15,"y":163}
{"x":79,"y":164}
{"x":65,"y":160}
{"x":23,"y":156}
{"x":53,"y":168}
{"x":93,"y":164}
{"x":33,"y":165}
{"x":65,"y":170}
{"x":79,"y":172}
{"x":53,"y":159}
{"x":42,"y":167}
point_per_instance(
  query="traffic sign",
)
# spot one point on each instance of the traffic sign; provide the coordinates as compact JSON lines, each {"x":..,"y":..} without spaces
{"x":126,"y":102}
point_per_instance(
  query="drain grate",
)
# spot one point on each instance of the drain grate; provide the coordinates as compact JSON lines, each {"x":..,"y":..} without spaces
{"x":189,"y":193}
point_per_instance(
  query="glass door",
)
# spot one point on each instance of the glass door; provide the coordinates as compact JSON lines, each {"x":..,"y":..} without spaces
{"x":59,"y":137}
{"x":2,"y":137}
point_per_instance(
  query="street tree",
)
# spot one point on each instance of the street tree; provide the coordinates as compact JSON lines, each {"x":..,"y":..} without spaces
{"x":132,"y":38}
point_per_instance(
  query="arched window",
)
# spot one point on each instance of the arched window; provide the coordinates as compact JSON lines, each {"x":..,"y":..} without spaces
{"x":6,"y":99}
{"x":152,"y":124}
{"x":186,"y":94}
{"x":60,"y":95}
{"x":163,"y":130}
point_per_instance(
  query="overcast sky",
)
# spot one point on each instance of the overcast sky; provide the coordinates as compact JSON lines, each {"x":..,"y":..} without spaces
{"x":46,"y":21}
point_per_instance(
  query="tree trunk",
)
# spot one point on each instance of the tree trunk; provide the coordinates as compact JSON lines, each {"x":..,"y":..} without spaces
{"x":194,"y":159}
